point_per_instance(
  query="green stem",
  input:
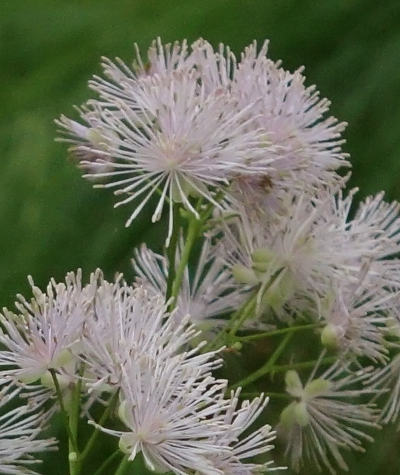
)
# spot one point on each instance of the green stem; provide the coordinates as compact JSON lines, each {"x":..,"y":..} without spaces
{"x":225,"y":333}
{"x":281,"y":331}
{"x":107,"y":462}
{"x":267,"y":367}
{"x":171,"y":251}
{"x":192,"y":234}
{"x":269,"y":394}
{"x":63,"y":410}
{"x":303,"y":365}
{"x":123,"y":466}
{"x":102,"y":420}
{"x":75,"y":462}
{"x":238,"y":319}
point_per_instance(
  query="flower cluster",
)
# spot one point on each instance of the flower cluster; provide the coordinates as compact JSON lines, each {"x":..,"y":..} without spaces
{"x":262,"y":241}
{"x":134,"y":353}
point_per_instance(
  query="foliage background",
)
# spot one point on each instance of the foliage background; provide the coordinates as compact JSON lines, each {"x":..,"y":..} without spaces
{"x":52,"y":221}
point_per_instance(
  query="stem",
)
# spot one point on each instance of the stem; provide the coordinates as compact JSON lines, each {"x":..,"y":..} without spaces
{"x":107,"y":462}
{"x":171,"y":251}
{"x":268,"y":365}
{"x":221,"y":337}
{"x":193,"y":231}
{"x":123,"y":466}
{"x":102,"y":420}
{"x":75,"y":465}
{"x":281,"y":331}
{"x":237,"y":320}
{"x":303,"y":365}
{"x":63,"y":410}
{"x":271,"y":395}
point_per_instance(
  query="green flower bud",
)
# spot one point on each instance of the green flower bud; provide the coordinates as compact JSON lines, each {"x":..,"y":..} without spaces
{"x":317,"y":387}
{"x":293,"y":383}
{"x":237,"y":346}
{"x":393,"y":327}
{"x":47,"y":381}
{"x":243,"y":275}
{"x":125,"y":444}
{"x":287,"y":417}
{"x":330,"y":337}
{"x":301,"y":414}
{"x":64,"y":357}
{"x":262,"y":254}
{"x":31,"y":376}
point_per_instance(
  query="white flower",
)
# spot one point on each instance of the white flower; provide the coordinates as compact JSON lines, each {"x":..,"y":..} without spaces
{"x":309,"y":248}
{"x":40,"y":336}
{"x":210,"y":292}
{"x":19,"y":430}
{"x":83,"y":137}
{"x":295,"y":253}
{"x":238,"y":420}
{"x":377,"y":224}
{"x":172,"y":413}
{"x":169,"y":135}
{"x":356,"y":317}
{"x":387,"y":380}
{"x":325,"y":417}
{"x":305,"y":144}
{"x":127,"y":323}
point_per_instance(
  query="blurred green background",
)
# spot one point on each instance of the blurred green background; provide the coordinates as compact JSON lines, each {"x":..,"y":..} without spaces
{"x":52,"y":221}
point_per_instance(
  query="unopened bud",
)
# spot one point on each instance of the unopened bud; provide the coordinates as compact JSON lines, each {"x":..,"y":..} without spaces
{"x":301,"y":414}
{"x":330,"y":337}
{"x":237,"y":346}
{"x":243,"y":275}
{"x":317,"y":387}
{"x":293,"y":382}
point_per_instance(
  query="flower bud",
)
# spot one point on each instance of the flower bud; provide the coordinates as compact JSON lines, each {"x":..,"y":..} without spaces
{"x":243,"y":275}
{"x":317,"y":387}
{"x":301,"y":414}
{"x":293,"y":383}
{"x":330,"y":337}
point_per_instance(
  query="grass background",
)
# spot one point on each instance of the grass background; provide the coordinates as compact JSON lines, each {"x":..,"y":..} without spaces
{"x":52,"y":221}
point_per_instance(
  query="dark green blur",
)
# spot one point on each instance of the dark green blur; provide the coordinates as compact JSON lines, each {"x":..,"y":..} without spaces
{"x":52,"y":221}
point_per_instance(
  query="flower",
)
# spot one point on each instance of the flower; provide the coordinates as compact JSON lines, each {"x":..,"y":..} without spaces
{"x":295,"y":133}
{"x":40,"y":336}
{"x":305,"y":145}
{"x":165,"y":133}
{"x":172,"y":413}
{"x":288,"y":255}
{"x":132,"y":323}
{"x":238,"y":420}
{"x":19,"y":430}
{"x":326,"y":416}
{"x":309,"y":250}
{"x":209,"y":293}
{"x":387,"y":380}
{"x":356,"y":317}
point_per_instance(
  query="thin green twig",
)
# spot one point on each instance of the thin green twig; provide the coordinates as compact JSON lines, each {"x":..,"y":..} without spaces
{"x":280,"y":331}
{"x":267,"y":367}
{"x":63,"y":410}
